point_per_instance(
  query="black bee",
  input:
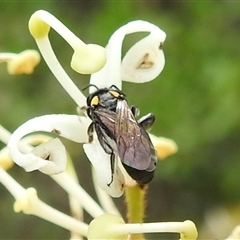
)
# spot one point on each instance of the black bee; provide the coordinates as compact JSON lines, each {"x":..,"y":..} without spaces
{"x":119,"y":133}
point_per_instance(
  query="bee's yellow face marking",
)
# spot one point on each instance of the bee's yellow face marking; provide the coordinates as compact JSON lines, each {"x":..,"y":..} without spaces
{"x":114,"y":93}
{"x":94,"y":101}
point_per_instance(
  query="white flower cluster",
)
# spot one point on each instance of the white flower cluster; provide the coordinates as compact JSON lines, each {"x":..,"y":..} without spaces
{"x":142,"y":63}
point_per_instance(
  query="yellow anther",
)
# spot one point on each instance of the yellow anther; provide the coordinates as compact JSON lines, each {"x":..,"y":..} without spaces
{"x":37,"y":27}
{"x":25,"y":202}
{"x":88,"y":58}
{"x":190,"y":231}
{"x":103,"y":228}
{"x":24,"y":62}
{"x":5,"y":160}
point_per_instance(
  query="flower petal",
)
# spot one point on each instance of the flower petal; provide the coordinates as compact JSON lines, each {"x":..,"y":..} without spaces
{"x":110,"y":74}
{"x":72,"y":127}
{"x":109,"y":178}
{"x":55,"y":153}
{"x":144,"y":61}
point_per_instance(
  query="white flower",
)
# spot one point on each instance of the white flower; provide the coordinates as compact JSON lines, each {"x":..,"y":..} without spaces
{"x":107,"y":222}
{"x":143,"y":62}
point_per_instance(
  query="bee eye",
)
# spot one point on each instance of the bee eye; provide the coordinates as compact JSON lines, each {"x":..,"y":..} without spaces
{"x":114,"y":93}
{"x":94,"y":101}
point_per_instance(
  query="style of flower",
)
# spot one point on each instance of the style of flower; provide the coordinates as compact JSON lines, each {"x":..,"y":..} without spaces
{"x":142,"y":63}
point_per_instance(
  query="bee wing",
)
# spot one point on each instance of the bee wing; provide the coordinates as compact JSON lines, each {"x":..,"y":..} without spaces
{"x":134,"y":145}
{"x":104,"y":126}
{"x":106,"y":119}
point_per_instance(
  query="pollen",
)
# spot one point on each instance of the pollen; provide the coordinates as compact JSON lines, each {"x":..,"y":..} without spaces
{"x":24,"y":62}
{"x":5,"y":160}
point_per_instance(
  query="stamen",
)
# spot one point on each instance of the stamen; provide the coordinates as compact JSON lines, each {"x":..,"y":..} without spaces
{"x":187,"y":229}
{"x":86,"y":58}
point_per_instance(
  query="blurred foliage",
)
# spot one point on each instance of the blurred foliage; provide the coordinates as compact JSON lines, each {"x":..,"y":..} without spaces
{"x":196,"y":102}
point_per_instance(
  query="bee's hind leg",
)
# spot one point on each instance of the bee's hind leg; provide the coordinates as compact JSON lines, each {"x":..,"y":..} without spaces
{"x":147,"y":121}
{"x":135,"y":110}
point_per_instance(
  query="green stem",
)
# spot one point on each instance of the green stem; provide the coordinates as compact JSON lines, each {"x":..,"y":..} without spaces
{"x":135,"y":200}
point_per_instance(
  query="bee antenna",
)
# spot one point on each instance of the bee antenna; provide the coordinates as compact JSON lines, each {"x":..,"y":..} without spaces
{"x":114,"y":86}
{"x":90,"y":85}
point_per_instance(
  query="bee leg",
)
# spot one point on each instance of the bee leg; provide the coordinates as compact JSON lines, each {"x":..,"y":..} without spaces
{"x":112,"y":161}
{"x":104,"y":140}
{"x":84,"y":109}
{"x":135,"y":110}
{"x":113,"y":86}
{"x":90,"y":132}
{"x":146,"y":121}
{"x":80,"y":110}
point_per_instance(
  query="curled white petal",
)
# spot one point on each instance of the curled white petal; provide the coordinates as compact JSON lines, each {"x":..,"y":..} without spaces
{"x":111,"y":73}
{"x":49,"y":157}
{"x":144,"y":61}
{"x":55,"y":153}
{"x":111,"y":182}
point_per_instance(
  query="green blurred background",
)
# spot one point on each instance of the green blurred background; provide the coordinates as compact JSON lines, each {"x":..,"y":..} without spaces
{"x":195,"y":100}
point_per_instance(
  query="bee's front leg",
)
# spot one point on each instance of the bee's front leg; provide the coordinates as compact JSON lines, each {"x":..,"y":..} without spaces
{"x":90,"y":132}
{"x":112,"y":161}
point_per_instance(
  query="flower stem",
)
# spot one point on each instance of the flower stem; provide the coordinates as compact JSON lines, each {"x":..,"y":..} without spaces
{"x":76,"y":208}
{"x":135,"y":200}
{"x":57,"y":70}
{"x":4,"y":57}
{"x":187,"y":229}
{"x":74,"y":189}
{"x":28,"y":202}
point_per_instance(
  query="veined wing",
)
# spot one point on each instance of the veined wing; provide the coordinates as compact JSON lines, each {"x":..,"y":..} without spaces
{"x":134,"y":145}
{"x":104,"y":120}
